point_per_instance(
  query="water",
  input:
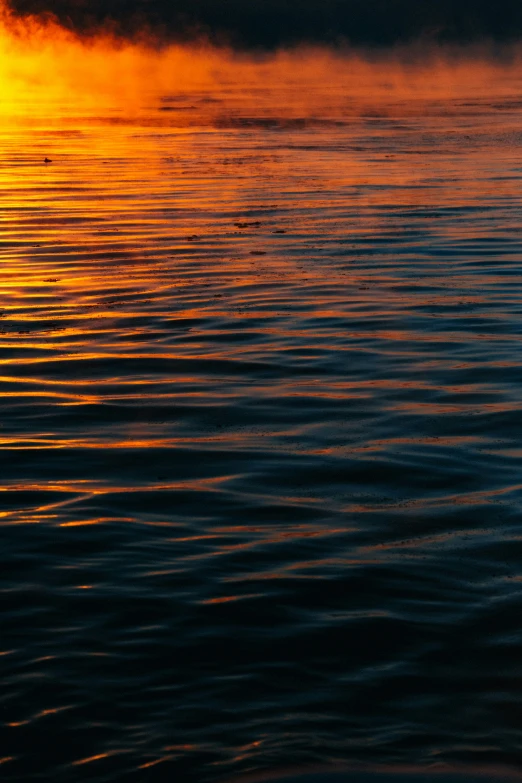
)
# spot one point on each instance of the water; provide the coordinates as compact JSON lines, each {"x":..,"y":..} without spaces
{"x":261,"y":380}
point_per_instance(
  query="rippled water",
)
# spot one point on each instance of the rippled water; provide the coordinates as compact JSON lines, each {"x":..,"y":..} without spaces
{"x":261,"y":388}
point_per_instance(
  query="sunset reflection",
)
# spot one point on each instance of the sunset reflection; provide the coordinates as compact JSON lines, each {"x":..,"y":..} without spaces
{"x":260,"y":385}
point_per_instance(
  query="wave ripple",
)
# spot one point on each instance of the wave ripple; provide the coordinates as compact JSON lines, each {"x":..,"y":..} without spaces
{"x":260,"y":386}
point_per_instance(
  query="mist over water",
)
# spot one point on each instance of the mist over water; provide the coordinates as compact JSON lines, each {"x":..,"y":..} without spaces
{"x":260,"y":348}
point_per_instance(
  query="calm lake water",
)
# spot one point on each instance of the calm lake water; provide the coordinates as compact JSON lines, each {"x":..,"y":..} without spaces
{"x":260,"y":443}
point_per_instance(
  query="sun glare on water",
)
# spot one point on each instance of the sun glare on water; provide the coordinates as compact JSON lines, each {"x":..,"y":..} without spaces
{"x":42,"y":64}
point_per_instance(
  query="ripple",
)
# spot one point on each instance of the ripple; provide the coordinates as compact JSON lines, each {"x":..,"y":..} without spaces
{"x":260,"y":443}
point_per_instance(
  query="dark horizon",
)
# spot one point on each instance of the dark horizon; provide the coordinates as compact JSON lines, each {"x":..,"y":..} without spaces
{"x":268,"y":24}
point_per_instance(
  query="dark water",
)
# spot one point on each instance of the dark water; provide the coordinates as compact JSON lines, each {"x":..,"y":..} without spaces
{"x":261,"y":388}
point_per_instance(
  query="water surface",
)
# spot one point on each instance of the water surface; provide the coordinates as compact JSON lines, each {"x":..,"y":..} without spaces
{"x":261,"y":382}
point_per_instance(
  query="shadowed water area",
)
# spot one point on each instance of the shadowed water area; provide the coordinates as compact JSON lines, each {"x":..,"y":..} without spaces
{"x":260,"y":443}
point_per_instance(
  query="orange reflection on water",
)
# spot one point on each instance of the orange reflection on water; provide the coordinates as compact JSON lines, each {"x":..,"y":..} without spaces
{"x":90,"y":759}
{"x":215,"y":229}
{"x":155,"y":762}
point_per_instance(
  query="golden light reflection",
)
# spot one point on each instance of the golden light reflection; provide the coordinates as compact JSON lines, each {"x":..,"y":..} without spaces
{"x":172,"y":212}
{"x":90,"y":759}
{"x":155,"y":762}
